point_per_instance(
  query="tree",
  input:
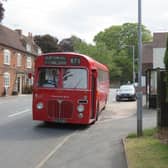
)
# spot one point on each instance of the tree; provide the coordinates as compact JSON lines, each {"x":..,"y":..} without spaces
{"x":118,"y":39}
{"x":124,"y":64}
{"x":129,"y":35}
{"x":100,"y":53}
{"x":47,"y":43}
{"x":110,"y":37}
{"x":2,"y":10}
{"x":115,"y":37}
{"x":66,"y":45}
{"x":166,"y":55}
{"x":109,"y":48}
{"x":162,"y":100}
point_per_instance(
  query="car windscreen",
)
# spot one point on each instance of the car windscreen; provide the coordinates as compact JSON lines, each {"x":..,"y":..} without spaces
{"x":74,"y":78}
{"x":127,"y":88}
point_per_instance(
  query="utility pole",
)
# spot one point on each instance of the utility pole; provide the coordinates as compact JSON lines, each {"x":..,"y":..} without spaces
{"x":133,"y":63}
{"x":139,"y":93}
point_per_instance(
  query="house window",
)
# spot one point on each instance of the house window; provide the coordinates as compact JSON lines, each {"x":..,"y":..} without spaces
{"x":39,"y":51}
{"x":28,"y":47}
{"x":6,"y":79}
{"x":29,"y":62}
{"x":19,"y":59}
{"x":29,"y":82}
{"x":7,"y":56}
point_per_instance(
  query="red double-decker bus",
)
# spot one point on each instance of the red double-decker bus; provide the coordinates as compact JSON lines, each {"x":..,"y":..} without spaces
{"x":69,"y":88}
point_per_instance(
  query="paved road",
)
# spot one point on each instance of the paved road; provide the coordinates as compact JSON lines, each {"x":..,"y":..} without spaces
{"x":30,"y":144}
{"x":14,"y":107}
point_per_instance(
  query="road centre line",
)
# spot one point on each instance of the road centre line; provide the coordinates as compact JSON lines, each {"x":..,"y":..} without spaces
{"x":18,"y":113}
{"x":41,"y":164}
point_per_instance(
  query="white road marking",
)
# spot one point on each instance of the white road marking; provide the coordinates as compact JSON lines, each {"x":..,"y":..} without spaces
{"x":11,"y":100}
{"x":18,"y":113}
{"x":54,"y":150}
{"x":3,"y":102}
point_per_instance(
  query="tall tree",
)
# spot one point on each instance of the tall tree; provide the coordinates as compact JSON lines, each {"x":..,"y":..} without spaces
{"x":47,"y":43}
{"x":120,"y":39}
{"x":166,"y":55}
{"x":116,"y":37}
{"x":110,"y":37}
{"x":162,"y":96}
{"x":100,"y":53}
{"x":66,"y":45}
{"x":125,"y":66}
{"x":2,"y":10}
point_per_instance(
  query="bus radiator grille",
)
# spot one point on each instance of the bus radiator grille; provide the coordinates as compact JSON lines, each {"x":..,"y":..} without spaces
{"x":66,"y":109}
{"x":60,"y":110}
{"x":53,"y":109}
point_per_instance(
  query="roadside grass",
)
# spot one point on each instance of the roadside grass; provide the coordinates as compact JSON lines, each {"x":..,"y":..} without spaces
{"x":146,"y":151}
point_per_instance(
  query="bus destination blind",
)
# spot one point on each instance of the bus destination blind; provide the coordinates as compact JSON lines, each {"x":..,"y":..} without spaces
{"x":55,"y":60}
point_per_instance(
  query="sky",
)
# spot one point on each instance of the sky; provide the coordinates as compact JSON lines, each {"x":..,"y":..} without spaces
{"x":82,"y":18}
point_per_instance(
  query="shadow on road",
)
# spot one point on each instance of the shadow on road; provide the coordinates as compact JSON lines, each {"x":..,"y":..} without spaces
{"x":59,"y":126}
{"x":26,"y":129}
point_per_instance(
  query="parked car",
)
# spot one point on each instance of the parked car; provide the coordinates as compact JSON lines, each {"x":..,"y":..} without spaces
{"x":126,"y":92}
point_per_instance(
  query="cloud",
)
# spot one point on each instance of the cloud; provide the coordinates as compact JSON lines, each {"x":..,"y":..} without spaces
{"x":84,"y":18}
{"x":89,"y":17}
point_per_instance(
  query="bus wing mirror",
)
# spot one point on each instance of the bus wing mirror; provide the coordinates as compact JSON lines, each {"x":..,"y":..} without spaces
{"x":30,"y":75}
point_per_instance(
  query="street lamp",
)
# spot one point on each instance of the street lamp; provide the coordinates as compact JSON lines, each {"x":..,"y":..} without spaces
{"x":133,"y":61}
{"x":139,"y":93}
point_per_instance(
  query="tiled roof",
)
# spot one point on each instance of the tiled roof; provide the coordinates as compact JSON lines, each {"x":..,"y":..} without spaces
{"x":12,"y":38}
{"x":159,"y":41}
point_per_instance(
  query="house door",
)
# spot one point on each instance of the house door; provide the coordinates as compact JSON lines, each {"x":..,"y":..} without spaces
{"x":19,"y":84}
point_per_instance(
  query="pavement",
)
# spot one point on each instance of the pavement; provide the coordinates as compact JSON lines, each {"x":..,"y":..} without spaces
{"x":123,"y":120}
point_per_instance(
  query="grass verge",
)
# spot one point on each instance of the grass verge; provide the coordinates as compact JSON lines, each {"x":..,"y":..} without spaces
{"x":146,"y":152}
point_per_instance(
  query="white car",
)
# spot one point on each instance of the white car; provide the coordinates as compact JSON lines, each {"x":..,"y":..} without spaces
{"x":126,"y":92}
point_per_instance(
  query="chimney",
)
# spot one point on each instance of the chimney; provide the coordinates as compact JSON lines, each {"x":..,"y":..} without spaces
{"x":19,"y":31}
{"x":30,"y":35}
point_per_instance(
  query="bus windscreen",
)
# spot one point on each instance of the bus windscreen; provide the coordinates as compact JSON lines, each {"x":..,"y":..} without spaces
{"x":48,"y":77}
{"x":74,"y":78}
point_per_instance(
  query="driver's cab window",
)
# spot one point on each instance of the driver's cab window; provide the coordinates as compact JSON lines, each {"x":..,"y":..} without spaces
{"x":48,"y":78}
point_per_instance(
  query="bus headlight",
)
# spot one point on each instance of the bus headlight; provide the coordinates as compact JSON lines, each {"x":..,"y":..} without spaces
{"x":39,"y":106}
{"x":80,"y":108}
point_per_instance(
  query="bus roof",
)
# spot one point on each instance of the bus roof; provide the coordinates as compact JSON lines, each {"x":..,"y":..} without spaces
{"x":93,"y":63}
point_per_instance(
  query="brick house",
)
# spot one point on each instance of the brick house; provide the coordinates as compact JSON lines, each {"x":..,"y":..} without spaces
{"x":153,"y":52}
{"x":153,"y":58}
{"x":17,"y":55}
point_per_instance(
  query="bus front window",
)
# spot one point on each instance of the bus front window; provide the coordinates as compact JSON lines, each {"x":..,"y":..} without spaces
{"x":74,"y":78}
{"x":48,"y":77}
